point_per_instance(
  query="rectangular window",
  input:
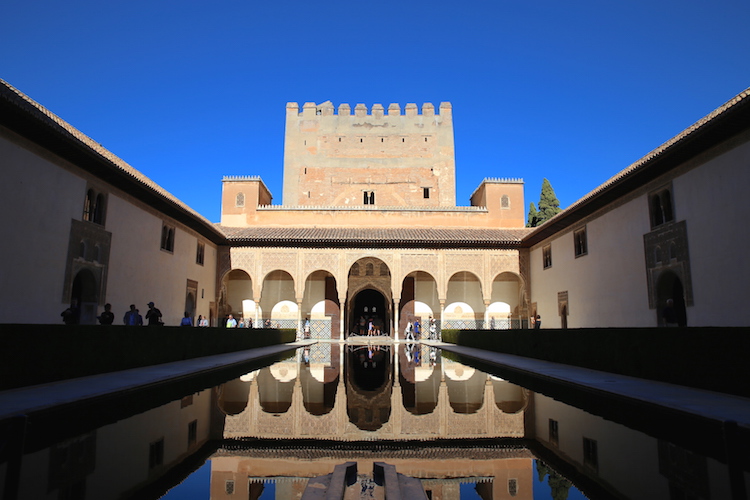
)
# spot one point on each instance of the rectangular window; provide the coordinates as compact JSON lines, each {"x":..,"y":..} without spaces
{"x":553,"y":436}
{"x":167,"y":238}
{"x":580,"y":242}
{"x":200,"y":253}
{"x":590,"y":454}
{"x":156,"y":453}
{"x":547,"y":256}
{"x":192,"y":433}
{"x":369,"y":197}
{"x":426,"y":192}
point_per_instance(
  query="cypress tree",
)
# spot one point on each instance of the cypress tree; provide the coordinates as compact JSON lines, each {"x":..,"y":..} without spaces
{"x":533,"y":218}
{"x":549,"y":205}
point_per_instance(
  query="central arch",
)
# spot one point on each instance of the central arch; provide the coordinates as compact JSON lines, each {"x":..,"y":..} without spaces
{"x":369,"y":295}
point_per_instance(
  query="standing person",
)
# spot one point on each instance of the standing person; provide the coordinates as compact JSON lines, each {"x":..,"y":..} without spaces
{"x":153,"y":315}
{"x":132,"y":317}
{"x":231,"y":322}
{"x":537,"y":322}
{"x":72,"y":314}
{"x":107,"y":317}
{"x":433,"y":329}
{"x":306,"y":328}
{"x":202,"y":321}
{"x":409,"y":331}
{"x":417,"y":329}
{"x":492,"y":323}
{"x":186,"y":320}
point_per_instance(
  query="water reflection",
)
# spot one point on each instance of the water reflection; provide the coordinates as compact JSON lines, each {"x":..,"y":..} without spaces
{"x":463,"y":432}
{"x":414,"y":394}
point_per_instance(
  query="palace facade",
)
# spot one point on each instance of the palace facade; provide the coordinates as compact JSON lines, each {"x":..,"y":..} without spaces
{"x":369,"y":230}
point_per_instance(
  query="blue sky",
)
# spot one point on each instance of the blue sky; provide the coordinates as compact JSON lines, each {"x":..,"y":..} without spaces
{"x":188,"y":92}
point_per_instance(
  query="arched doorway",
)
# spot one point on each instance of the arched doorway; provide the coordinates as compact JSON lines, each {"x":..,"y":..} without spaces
{"x":670,"y":287}
{"x":369,"y":305}
{"x":369,"y":295}
{"x":85,"y":293}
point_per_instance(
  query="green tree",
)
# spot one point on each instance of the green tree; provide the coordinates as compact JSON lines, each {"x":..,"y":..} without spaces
{"x":533,"y":218}
{"x":549,"y":205}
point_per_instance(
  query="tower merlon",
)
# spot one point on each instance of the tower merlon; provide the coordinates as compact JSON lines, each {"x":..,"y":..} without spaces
{"x":310,"y":110}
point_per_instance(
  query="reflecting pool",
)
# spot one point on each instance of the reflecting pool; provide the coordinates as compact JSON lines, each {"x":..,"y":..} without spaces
{"x":465,"y":433}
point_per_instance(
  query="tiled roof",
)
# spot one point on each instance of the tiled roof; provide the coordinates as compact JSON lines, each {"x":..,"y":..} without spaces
{"x":375,"y":237}
{"x":717,"y":126}
{"x":37,"y":122}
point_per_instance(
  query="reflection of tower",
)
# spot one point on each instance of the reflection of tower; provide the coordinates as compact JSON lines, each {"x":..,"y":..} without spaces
{"x":369,"y":381}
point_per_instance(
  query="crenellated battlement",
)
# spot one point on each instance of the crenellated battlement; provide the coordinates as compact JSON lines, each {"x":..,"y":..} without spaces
{"x":229,"y":178}
{"x":311,"y":110}
{"x":503,"y":180}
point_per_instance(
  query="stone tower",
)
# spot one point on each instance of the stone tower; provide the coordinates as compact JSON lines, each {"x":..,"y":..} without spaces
{"x":377,"y":158}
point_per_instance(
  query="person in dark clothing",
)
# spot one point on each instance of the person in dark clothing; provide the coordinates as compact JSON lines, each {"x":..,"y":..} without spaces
{"x":72,"y":314}
{"x":107,"y":317}
{"x":537,"y":322}
{"x":153,"y":315}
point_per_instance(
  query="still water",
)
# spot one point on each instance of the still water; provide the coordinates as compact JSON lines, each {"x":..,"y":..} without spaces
{"x":464,"y":433}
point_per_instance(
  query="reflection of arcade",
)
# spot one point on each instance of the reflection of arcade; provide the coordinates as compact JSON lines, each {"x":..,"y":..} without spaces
{"x":368,"y":385}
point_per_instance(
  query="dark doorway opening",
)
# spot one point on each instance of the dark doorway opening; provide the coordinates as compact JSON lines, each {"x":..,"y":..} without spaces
{"x":85,"y":293}
{"x":670,"y":287}
{"x":370,"y":305}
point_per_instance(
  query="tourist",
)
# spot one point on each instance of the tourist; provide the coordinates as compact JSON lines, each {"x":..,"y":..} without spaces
{"x":231,"y":322}
{"x":153,"y":316}
{"x":433,"y":328}
{"x":409,"y":331}
{"x":186,"y":320}
{"x":417,"y":329}
{"x":72,"y":314}
{"x":133,"y":317}
{"x":202,"y":321}
{"x":537,"y":321}
{"x":306,"y":328}
{"x":492,"y":323}
{"x":107,"y":317}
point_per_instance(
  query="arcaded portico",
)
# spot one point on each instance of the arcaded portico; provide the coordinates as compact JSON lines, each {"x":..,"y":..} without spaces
{"x":337,"y":287}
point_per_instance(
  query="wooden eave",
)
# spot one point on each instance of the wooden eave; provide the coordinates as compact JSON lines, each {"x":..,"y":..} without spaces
{"x":726,"y":122}
{"x":29,"y":120}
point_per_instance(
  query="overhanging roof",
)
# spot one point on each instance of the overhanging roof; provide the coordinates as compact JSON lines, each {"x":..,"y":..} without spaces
{"x":315,"y":237}
{"x":31,"y":120}
{"x":725,"y":122}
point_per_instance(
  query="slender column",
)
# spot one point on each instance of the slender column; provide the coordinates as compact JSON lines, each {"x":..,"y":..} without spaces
{"x":396,"y":303}
{"x":342,"y":309}
{"x":486,"y":314}
{"x":299,"y":319}
{"x":442,"y":314}
{"x":255,"y":320}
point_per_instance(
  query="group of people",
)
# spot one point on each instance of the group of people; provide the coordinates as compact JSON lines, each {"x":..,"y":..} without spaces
{"x":133,"y":317}
{"x":413,"y":330}
{"x":372,"y":325}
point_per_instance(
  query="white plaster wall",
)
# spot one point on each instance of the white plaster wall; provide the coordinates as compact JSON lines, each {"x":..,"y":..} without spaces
{"x":46,"y":193}
{"x":39,"y":199}
{"x":608,"y":286}
{"x":140,"y":272}
{"x":711,"y":199}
